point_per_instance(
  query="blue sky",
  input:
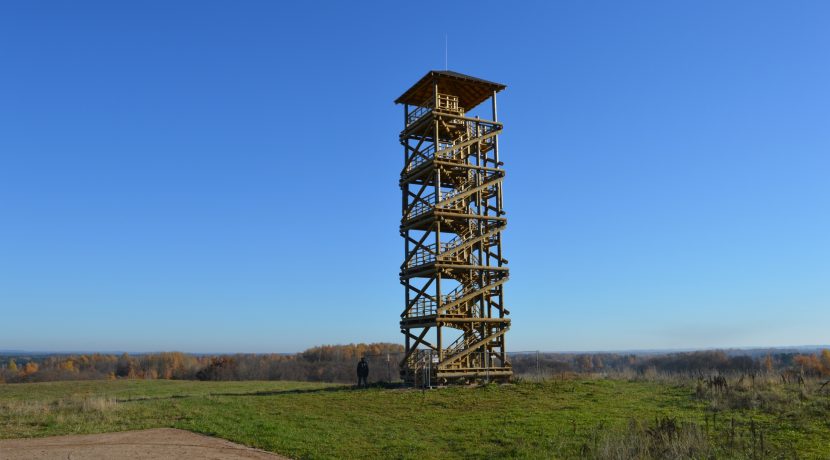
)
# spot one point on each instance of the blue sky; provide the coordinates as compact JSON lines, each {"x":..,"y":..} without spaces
{"x":222,"y":176}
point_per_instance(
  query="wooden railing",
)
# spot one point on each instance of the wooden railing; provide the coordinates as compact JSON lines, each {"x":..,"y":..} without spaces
{"x":443,"y":102}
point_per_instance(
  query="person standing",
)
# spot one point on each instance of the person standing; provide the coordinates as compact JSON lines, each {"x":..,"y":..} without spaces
{"x":362,"y":372}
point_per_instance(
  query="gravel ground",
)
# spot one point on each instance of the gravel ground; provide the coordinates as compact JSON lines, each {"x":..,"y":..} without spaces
{"x":156,"y":444}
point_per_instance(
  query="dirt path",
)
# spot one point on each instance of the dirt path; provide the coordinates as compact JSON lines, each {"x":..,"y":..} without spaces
{"x":157,"y":444}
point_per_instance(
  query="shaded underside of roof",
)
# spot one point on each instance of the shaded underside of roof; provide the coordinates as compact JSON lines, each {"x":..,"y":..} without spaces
{"x":471,"y":91}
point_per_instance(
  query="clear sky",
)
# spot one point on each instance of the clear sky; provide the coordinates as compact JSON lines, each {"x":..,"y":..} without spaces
{"x":222,"y":176}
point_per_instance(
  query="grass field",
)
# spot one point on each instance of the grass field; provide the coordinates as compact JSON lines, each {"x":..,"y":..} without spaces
{"x":591,"y":418}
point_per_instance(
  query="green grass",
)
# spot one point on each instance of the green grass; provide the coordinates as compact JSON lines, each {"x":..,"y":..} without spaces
{"x":558,"y":419}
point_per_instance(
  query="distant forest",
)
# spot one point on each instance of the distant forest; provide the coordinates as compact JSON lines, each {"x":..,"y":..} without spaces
{"x":337,"y":363}
{"x":329,"y":363}
{"x":687,"y":364}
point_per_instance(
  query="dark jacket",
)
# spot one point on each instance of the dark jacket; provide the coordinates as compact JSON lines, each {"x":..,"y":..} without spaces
{"x":363,"y":369}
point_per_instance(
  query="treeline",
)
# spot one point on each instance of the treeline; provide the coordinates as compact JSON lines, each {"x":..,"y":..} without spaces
{"x":689,"y":363}
{"x":337,"y":363}
{"x":330,"y":363}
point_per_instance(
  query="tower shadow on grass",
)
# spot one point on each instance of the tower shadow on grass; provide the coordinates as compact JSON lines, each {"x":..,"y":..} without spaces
{"x":333,"y":389}
{"x":295,"y":391}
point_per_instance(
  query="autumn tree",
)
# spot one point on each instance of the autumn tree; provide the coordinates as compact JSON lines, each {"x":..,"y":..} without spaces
{"x":586,"y":363}
{"x":30,"y":368}
{"x":69,"y":366}
{"x":809,"y":364}
{"x":825,"y":362}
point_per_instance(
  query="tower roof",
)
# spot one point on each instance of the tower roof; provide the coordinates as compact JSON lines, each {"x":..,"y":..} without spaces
{"x":471,"y":91}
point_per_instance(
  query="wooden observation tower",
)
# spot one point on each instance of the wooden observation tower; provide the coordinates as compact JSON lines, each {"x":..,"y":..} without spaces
{"x":454,"y":318}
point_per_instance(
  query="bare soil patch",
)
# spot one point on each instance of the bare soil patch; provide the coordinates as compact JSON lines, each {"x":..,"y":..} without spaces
{"x":155,"y":444}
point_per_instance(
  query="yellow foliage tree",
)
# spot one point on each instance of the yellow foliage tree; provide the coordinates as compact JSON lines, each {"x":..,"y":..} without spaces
{"x":30,"y":368}
{"x":809,"y":364}
{"x":68,"y":365}
{"x":825,"y":361}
